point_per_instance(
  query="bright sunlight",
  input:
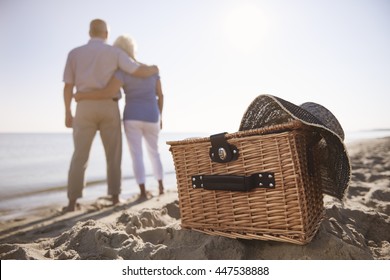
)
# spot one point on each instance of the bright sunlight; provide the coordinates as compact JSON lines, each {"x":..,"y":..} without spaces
{"x":245,"y":27}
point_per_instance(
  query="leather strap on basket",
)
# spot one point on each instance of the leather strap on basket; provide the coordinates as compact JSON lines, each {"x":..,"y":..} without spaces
{"x":221,"y":151}
{"x":234,"y":183}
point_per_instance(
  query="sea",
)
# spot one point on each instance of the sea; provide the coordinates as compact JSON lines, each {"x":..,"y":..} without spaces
{"x":34,"y":169}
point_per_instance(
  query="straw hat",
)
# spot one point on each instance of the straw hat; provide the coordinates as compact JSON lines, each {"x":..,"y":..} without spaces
{"x":334,"y":165}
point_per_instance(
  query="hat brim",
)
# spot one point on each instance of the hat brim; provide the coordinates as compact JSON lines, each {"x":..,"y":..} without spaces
{"x":333,"y":159}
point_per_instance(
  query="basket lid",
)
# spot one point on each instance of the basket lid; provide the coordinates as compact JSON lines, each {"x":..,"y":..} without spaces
{"x":334,"y":164}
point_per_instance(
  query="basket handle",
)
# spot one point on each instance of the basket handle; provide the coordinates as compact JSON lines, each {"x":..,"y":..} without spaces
{"x":234,"y":183}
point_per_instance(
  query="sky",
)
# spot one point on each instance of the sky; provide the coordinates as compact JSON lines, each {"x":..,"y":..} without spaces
{"x":214,"y":56}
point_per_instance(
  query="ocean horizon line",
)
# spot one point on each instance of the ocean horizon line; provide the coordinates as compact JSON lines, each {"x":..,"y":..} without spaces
{"x":382,"y":129}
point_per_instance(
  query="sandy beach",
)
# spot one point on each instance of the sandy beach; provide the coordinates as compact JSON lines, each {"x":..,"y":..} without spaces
{"x":356,"y":228}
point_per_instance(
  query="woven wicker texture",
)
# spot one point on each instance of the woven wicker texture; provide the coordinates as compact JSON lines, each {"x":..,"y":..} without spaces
{"x":291,"y":212}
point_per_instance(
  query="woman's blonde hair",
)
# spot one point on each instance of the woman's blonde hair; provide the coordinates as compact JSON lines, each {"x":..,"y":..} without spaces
{"x":127,"y":44}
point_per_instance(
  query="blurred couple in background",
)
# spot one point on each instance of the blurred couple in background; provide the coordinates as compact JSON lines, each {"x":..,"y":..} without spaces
{"x":94,"y":75}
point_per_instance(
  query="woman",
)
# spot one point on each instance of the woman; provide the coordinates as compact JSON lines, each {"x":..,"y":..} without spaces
{"x":141,"y":116}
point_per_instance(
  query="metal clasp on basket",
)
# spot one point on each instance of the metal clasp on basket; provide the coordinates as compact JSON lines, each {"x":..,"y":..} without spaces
{"x":221,"y":151}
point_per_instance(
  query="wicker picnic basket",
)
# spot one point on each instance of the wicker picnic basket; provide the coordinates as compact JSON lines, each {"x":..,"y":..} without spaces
{"x":256,"y":184}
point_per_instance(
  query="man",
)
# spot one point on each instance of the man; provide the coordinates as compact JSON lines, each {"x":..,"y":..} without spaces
{"x":90,"y":67}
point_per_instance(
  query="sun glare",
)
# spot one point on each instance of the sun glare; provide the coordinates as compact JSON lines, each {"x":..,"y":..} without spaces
{"x":245,"y":27}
